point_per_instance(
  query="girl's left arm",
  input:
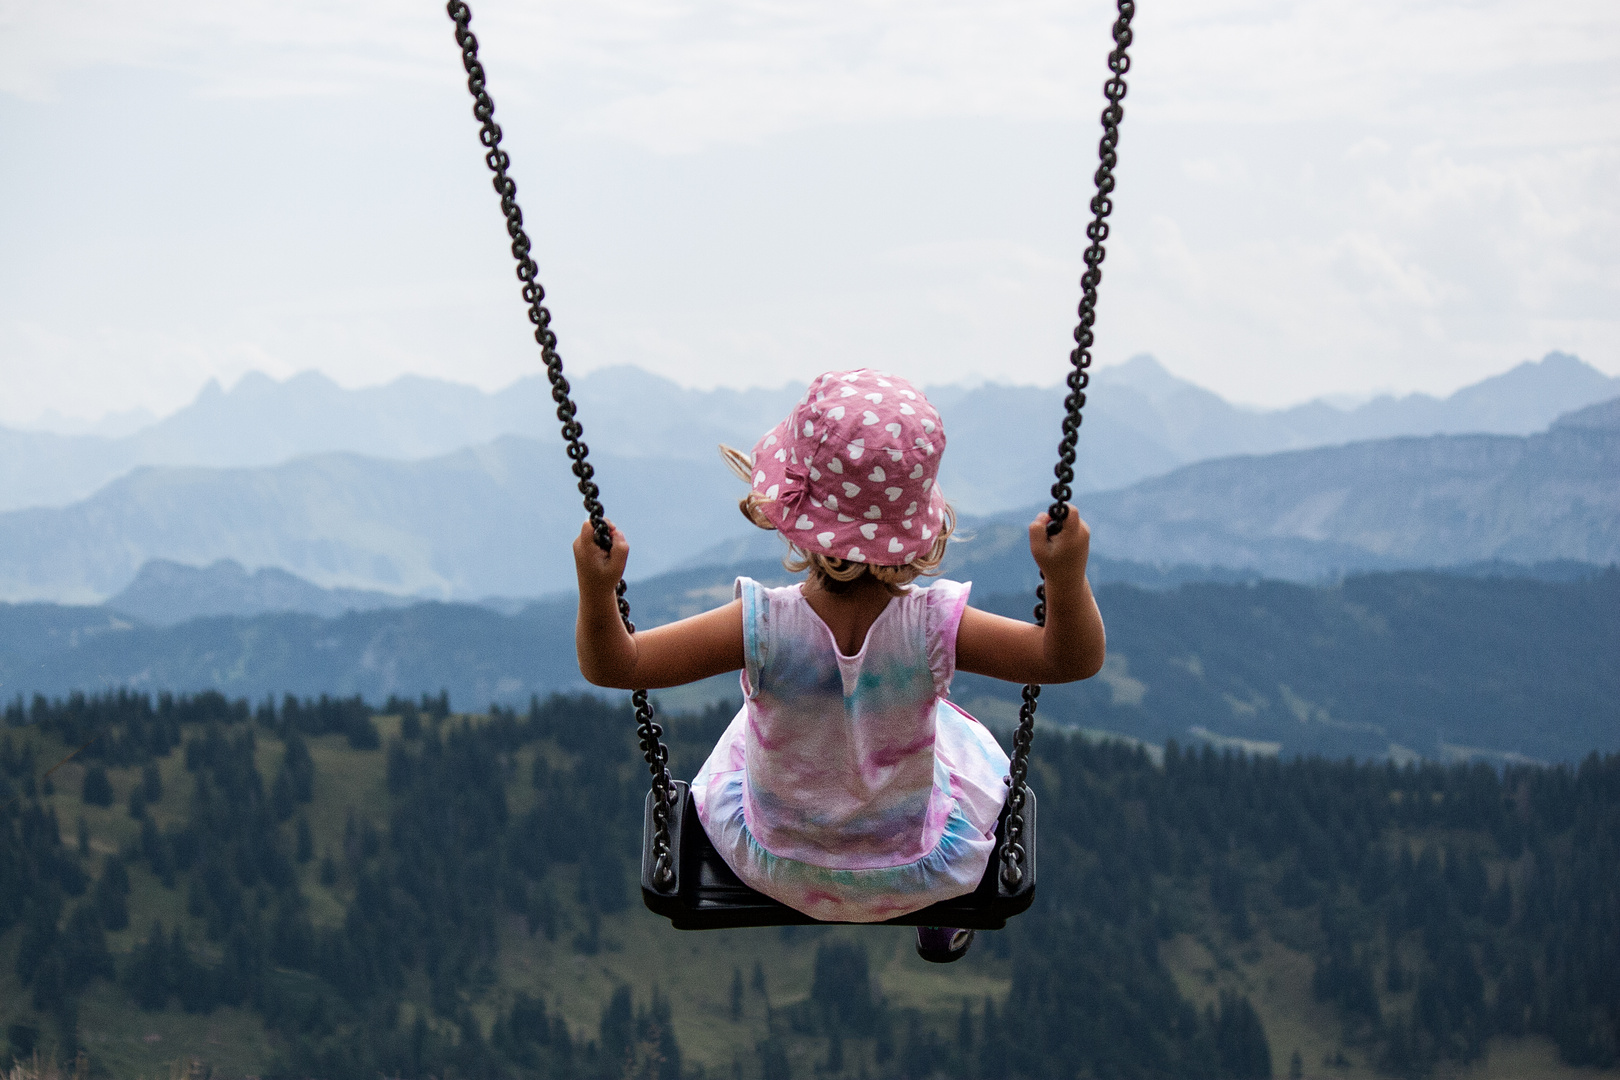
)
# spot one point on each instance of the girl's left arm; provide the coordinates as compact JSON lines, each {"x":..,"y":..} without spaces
{"x":1072,"y":644}
{"x":611,"y":656}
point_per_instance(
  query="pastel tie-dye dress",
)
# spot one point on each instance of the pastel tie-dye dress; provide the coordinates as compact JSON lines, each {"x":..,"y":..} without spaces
{"x":850,"y":787}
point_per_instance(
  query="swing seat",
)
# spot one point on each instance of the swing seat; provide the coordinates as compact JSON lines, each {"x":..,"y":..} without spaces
{"x":706,"y":895}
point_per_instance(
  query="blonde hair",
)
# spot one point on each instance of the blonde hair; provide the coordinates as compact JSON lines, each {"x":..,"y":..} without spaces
{"x":831,"y":573}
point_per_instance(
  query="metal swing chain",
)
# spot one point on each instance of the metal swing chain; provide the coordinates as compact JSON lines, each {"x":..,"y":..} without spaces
{"x":1013,"y":856}
{"x":650,"y":734}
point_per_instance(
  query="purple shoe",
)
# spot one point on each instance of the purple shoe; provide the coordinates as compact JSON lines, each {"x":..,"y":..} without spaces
{"x":943,"y":944}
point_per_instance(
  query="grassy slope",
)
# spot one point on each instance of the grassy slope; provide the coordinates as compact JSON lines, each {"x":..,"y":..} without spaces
{"x":693,"y":969}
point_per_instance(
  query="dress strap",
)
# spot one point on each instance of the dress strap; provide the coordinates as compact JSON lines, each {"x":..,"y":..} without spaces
{"x":756,"y":608}
{"x":946,"y":602}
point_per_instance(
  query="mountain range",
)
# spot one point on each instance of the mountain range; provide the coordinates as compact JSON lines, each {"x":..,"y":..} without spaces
{"x":497,"y":520}
{"x":165,"y":593}
{"x":1141,"y":421}
{"x":493,"y":519}
{"x":1443,"y":500}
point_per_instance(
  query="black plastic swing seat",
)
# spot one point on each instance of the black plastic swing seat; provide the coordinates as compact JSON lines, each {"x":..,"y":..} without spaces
{"x":706,"y":895}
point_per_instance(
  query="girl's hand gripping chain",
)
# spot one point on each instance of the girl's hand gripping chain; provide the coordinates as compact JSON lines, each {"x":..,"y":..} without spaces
{"x":609,"y":655}
{"x":599,"y":570}
{"x":1070,"y":646}
{"x":1062,"y":557}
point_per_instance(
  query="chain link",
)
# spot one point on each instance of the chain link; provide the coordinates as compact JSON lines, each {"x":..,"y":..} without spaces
{"x":1013,"y":856}
{"x":648,"y":733}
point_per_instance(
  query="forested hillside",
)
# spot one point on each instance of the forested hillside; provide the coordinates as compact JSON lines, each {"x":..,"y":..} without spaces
{"x":1424,"y":663}
{"x":1380,"y":665}
{"x":308,"y":888}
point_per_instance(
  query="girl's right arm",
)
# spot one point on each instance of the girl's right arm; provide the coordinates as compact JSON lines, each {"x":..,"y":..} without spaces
{"x":611,"y":656}
{"x":1070,"y":646}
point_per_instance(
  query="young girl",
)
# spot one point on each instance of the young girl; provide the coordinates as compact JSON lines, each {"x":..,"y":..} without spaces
{"x":849,"y":787}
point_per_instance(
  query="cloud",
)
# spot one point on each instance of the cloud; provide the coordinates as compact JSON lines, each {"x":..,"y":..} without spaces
{"x":1315,"y":195}
{"x":1422,"y":268}
{"x":679,"y":76}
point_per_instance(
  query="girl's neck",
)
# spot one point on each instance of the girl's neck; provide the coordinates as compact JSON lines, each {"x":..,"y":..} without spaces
{"x":849,"y":613}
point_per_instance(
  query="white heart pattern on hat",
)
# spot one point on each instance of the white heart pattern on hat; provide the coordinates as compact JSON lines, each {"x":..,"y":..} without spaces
{"x":813,"y":466}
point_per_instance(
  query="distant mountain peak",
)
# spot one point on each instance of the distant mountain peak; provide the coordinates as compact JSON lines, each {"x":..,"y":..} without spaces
{"x":1142,"y":369}
{"x":1557,"y":372}
{"x":166,"y":592}
{"x":255,"y":382}
{"x":1604,"y":415}
{"x":1147,"y":376}
{"x":1559,"y":361}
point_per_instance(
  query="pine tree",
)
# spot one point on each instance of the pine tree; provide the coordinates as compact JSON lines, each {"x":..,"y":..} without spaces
{"x":148,"y":977}
{"x":112,"y":894}
{"x":83,"y":948}
{"x":151,"y":783}
{"x":305,"y":843}
{"x":97,"y":789}
{"x":1240,"y":1040}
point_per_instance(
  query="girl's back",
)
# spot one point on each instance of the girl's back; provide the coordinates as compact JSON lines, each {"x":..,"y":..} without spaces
{"x":840,"y":748}
{"x":848,"y":787}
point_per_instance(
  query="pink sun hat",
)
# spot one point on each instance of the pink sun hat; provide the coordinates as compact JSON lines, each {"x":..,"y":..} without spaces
{"x":851,"y":472}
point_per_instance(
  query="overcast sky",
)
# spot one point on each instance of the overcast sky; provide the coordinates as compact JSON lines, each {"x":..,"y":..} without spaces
{"x":1315,"y":197}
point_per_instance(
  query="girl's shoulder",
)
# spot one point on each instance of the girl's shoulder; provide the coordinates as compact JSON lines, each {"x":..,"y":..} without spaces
{"x":940,"y":590}
{"x":943,"y":592}
{"x":747,"y":588}
{"x":937,"y":591}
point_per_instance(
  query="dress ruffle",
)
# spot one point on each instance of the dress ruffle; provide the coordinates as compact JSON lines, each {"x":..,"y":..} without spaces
{"x":968,"y":763}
